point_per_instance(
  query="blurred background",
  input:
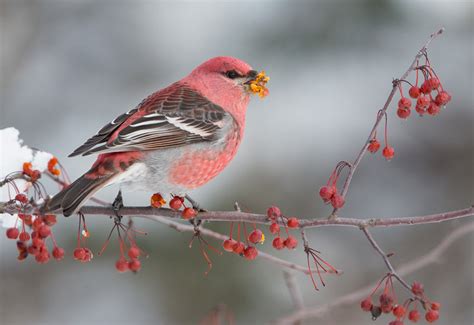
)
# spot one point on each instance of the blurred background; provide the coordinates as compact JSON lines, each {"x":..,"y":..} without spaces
{"x":69,"y":67}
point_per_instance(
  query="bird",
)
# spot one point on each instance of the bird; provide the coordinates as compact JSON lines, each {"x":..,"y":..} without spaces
{"x":177,"y":139}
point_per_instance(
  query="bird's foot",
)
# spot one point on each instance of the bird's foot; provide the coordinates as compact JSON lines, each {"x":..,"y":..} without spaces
{"x":117,"y":205}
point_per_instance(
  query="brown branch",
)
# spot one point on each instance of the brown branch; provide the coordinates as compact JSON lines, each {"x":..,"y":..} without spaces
{"x":379,"y":250}
{"x":354,"y":297}
{"x":363,"y":151}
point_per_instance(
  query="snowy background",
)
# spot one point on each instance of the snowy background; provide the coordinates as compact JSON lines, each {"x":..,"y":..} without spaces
{"x":69,"y":67}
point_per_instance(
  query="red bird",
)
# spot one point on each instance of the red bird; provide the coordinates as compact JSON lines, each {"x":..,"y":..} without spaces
{"x":175,"y":140}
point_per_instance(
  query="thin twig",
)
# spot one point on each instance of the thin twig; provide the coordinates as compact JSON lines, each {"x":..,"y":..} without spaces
{"x":294,"y":289}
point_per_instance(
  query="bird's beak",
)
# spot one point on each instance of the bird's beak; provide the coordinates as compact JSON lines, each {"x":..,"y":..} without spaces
{"x":256,"y":83}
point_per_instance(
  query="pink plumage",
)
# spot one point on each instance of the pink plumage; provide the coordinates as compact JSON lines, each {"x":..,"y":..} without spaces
{"x":175,"y":140}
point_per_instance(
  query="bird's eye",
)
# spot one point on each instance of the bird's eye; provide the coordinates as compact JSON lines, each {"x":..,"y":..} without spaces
{"x":232,"y":74}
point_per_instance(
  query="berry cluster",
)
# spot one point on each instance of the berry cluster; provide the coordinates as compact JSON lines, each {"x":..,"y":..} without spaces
{"x":33,"y":237}
{"x":426,"y":100}
{"x":374,"y":145}
{"x":409,"y":308}
{"x":128,"y":244}
{"x":277,"y":218}
{"x":329,"y":193}
{"x":157,"y":201}
{"x":82,"y":253}
{"x":430,"y":97}
{"x":247,"y":249}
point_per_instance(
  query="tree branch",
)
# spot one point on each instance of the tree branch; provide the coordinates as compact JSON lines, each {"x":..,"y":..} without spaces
{"x":405,"y":269}
{"x":363,"y":151}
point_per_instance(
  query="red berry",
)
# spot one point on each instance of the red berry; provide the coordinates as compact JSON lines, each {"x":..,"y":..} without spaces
{"x":291,"y":242}
{"x":435,"y":305}
{"x":24,"y":236}
{"x":414,"y":92}
{"x":49,"y":219}
{"x":134,"y":265}
{"x":388,"y":152}
{"x":134,"y":252}
{"x":33,"y":250}
{"x":121,"y":265}
{"x":442,"y":98}
{"x":293,"y":223}
{"x":425,"y":87}
{"x":21,"y":198}
{"x":278,"y":243}
{"x":327,"y":192}
{"x":58,"y":253}
{"x":44,"y":231}
{"x":337,"y":201}
{"x":42,"y":257}
{"x":38,"y":242}
{"x":403,"y":113}
{"x":432,"y":316}
{"x":238,"y":248}
{"x":250,"y":253}
{"x":188,"y":213}
{"x":228,"y":245}
{"x":35,"y":175}
{"x":88,"y":255}
{"x":366,"y":304}
{"x":396,"y":322}
{"x":374,"y":146}
{"x":434,"y":83}
{"x":274,"y":228}
{"x":176,"y":203}
{"x":423,"y":102}
{"x":433,"y":109}
{"x":157,"y":200}
{"x":273,"y":213}
{"x":404,"y":103}
{"x":417,"y":288}
{"x":255,"y":236}
{"x":399,"y":311}
{"x":79,"y":253}
{"x":38,"y":223}
{"x":12,"y":233}
{"x":414,"y":315}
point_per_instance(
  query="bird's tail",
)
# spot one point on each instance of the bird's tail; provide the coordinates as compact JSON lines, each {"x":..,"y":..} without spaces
{"x":75,"y":195}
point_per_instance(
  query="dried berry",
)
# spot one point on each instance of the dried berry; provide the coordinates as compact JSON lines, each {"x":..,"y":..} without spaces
{"x":374,"y":146}
{"x":388,"y":152}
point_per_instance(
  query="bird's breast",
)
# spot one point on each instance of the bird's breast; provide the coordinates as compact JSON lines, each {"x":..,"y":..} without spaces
{"x":197,"y":166}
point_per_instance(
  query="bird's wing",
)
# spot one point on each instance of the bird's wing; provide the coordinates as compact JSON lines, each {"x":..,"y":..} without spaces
{"x":173,"y":117}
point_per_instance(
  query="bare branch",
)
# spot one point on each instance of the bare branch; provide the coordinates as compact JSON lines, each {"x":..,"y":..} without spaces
{"x":405,"y":269}
{"x":381,"y":114}
{"x":294,"y":289}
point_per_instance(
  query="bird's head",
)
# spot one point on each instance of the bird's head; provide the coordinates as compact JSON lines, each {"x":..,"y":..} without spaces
{"x":228,"y":82}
